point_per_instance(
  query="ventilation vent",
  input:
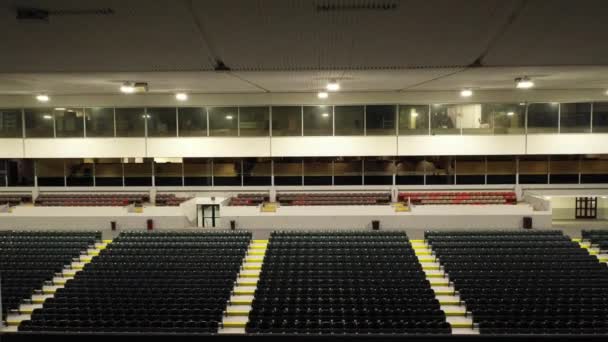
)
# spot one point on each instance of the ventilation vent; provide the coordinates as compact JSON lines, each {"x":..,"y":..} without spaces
{"x":44,"y":14}
{"x":370,"y":5}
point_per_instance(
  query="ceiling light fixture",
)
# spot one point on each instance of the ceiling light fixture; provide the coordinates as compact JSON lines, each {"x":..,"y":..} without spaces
{"x":47,"y":116}
{"x":415,"y":114}
{"x":466,"y":93}
{"x":228,"y":117}
{"x":181,"y":96}
{"x":322,"y":95}
{"x":127,"y":88}
{"x":60,"y":109}
{"x":510,"y":113}
{"x":333,"y":85}
{"x":524,"y":83}
{"x":325,"y":115}
{"x":42,"y":98}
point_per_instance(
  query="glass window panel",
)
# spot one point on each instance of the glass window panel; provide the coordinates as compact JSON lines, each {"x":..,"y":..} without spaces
{"x":439,"y":170}
{"x":600,"y":117}
{"x":380,"y":120}
{"x":138,"y":172}
{"x":348,"y":171}
{"x":100,"y":122}
{"x":318,"y":171}
{"x":318,"y":120}
{"x":257,"y":172}
{"x":39,"y":123}
{"x":79,"y":172}
{"x":501,"y":169}
{"x":443,"y":119}
{"x":470,"y":170}
{"x":50,"y":172}
{"x":226,"y":172}
{"x":575,"y":118}
{"x":413,"y":120}
{"x":543,"y":117}
{"x":349,"y":120}
{"x":564,"y":169}
{"x":378,"y":171}
{"x":162,"y":122}
{"x":509,"y":118}
{"x":10,"y":123}
{"x":130,"y":122}
{"x":167,"y":173}
{"x":192,"y":121}
{"x":410,"y":170}
{"x":254,"y":121}
{"x":223,"y":121}
{"x":20,"y":172}
{"x":533,"y":169}
{"x":108,"y":172}
{"x":287,"y":171}
{"x":197,"y":172}
{"x":471,"y":118}
{"x":69,"y":122}
{"x":287,"y":121}
{"x":594,"y":169}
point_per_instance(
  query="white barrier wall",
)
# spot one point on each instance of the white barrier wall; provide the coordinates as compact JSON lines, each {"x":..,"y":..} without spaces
{"x":208,"y":147}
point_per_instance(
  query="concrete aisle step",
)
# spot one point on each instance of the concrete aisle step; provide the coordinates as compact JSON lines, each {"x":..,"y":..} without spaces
{"x":239,"y":305}
{"x":49,"y":289}
{"x":449,"y":300}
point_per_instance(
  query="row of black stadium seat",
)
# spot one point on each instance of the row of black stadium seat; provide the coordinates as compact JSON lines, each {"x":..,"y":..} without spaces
{"x":149,"y":282}
{"x":525,"y":282}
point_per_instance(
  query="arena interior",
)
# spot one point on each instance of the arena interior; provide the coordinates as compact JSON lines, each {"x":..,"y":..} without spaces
{"x":304,"y":169}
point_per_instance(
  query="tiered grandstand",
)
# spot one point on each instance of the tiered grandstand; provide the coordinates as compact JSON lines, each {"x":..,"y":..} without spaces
{"x":149,"y":282}
{"x":453,"y":197}
{"x":28,"y":259}
{"x":170,"y":200}
{"x":344,"y":282}
{"x":90,"y":200}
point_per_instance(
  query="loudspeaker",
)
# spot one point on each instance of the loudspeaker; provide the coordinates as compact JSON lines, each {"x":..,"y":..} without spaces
{"x":232,"y":225}
{"x":376,"y":225}
{"x":113,"y":225}
{"x":527,"y":222}
{"x":150,"y":224}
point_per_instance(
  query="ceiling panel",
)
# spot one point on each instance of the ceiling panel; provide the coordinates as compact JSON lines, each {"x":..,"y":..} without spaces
{"x":557,"y":32}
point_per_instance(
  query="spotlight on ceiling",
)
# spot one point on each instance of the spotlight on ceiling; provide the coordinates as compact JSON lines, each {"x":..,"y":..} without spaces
{"x":181,"y":96}
{"x":466,"y":93}
{"x":134,"y":87}
{"x":322,"y":95}
{"x":127,"y":88}
{"x":60,"y":109}
{"x":524,"y":83}
{"x":42,"y":98}
{"x":414,"y":114}
{"x":325,"y":115}
{"x":333,"y":85}
{"x":228,"y":117}
{"x":47,"y":116}
{"x":510,"y":113}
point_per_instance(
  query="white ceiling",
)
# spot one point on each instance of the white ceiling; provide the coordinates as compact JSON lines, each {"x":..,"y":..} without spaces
{"x":290,"y":46}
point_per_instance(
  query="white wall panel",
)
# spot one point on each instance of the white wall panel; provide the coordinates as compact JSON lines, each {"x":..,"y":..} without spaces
{"x":85,"y":148}
{"x":567,"y":143}
{"x":209,"y":147}
{"x":444,"y":145}
{"x":333,"y":146}
{"x":11,"y":148}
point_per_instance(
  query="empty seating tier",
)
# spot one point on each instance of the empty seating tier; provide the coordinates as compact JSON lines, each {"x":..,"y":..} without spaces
{"x":334,"y":199}
{"x":598,"y":238}
{"x":516,"y":282}
{"x":15,"y":199}
{"x":29,"y":258}
{"x":453,"y":197}
{"x":149,"y":282}
{"x":90,"y":200}
{"x":344,"y":283}
{"x":170,"y":200}
{"x":248,"y":199}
